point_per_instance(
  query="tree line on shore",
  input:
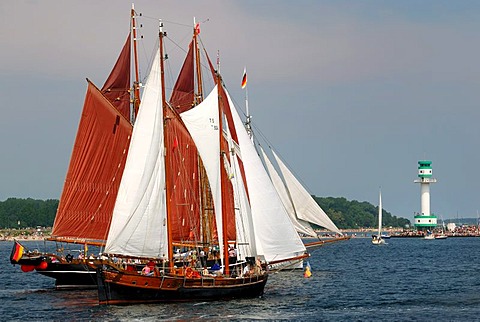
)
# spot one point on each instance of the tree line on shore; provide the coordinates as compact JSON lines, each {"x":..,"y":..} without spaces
{"x":22,"y":213}
{"x":357,"y":214}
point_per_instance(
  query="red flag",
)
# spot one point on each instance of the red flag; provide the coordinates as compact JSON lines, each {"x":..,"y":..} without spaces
{"x":197,"y":28}
{"x":244,"y":79}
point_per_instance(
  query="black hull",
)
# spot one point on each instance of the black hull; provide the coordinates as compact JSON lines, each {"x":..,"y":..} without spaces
{"x":177,"y":289}
{"x":68,"y":272}
{"x":68,"y":275}
{"x":71,"y":276}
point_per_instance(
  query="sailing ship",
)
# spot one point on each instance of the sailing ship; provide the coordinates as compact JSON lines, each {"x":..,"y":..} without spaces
{"x":377,"y":239}
{"x":200,"y":211}
{"x":442,"y":234}
{"x":281,"y":246}
{"x":91,"y":184}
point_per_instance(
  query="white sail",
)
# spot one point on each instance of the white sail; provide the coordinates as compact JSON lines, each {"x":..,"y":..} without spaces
{"x":202,"y":123}
{"x":139,"y":223}
{"x":300,"y":225}
{"x":246,"y":244}
{"x":305,"y":206}
{"x":276,"y":237}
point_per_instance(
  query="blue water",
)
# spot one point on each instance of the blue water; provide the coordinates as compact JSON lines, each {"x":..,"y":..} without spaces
{"x":405,"y":280}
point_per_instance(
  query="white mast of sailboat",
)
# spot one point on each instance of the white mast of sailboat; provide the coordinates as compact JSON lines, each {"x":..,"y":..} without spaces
{"x":380,"y":214}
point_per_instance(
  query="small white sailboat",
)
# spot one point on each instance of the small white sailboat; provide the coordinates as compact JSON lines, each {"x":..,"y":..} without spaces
{"x":442,"y":234}
{"x":429,"y":236}
{"x":377,"y":239}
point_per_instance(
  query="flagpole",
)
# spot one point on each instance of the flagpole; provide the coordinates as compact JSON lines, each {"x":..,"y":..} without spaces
{"x":244,"y":85}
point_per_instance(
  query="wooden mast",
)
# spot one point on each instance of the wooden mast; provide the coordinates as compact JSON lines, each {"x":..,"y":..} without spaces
{"x":226,"y":261}
{"x":196,"y":31}
{"x":136,"y":83}
{"x":206,"y":199}
{"x":161,"y":34}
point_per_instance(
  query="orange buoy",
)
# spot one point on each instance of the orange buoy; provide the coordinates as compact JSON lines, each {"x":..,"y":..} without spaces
{"x":42,"y":265}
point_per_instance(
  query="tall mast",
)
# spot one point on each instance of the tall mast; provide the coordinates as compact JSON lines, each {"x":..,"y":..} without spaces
{"x":205,"y":197}
{"x":161,"y":34}
{"x":199,"y":94}
{"x":222,"y":181}
{"x":136,"y":84}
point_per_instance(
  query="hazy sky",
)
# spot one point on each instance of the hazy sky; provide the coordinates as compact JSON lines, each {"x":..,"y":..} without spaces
{"x":350,"y":93}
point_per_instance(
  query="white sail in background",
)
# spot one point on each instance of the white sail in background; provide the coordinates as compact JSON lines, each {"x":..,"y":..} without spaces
{"x":202,"y":123}
{"x":300,"y":225}
{"x":305,"y":206}
{"x":276,"y":237}
{"x":139,"y":223}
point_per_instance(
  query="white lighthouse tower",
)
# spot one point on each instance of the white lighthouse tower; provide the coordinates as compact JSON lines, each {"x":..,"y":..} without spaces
{"x":425,"y":220}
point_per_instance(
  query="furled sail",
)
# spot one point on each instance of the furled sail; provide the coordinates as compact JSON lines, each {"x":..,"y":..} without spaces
{"x":300,"y":225}
{"x":306,"y":207}
{"x":139,"y":222}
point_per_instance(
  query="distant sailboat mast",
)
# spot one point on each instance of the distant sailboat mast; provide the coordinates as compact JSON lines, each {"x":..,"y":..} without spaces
{"x":380,"y":214}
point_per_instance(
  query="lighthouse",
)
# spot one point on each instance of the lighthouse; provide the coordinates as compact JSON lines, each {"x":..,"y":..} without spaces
{"x":425,"y":220}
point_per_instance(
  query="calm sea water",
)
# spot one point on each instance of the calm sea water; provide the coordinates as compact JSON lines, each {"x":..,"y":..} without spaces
{"x":405,"y":280}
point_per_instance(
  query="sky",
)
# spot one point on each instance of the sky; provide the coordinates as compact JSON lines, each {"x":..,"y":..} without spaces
{"x":351,"y":94}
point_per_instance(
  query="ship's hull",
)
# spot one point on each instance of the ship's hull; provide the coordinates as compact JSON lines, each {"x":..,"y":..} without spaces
{"x":76,"y":274}
{"x":116,"y":287}
{"x":71,"y":275}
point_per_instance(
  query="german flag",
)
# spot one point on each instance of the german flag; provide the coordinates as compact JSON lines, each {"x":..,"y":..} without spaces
{"x":17,"y":252}
{"x":244,"y":78}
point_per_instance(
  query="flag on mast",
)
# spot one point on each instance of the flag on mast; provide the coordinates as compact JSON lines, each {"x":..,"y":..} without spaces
{"x":244,"y":79}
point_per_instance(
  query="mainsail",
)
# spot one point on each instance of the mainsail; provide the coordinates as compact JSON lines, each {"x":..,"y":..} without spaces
{"x":98,"y":158}
{"x":139,"y":221}
{"x":203,"y":123}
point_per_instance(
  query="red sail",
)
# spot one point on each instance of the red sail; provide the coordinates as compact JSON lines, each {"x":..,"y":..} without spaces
{"x":182,"y":98}
{"x":228,"y":202}
{"x":212,"y":69}
{"x":117,"y":85}
{"x":95,"y":170}
{"x":184,"y":199}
